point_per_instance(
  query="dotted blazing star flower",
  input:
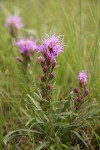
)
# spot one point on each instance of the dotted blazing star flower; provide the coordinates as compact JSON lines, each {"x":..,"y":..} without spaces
{"x":51,"y":47}
{"x":27,"y":46}
{"x":83,"y":77}
{"x":14,"y":21}
{"x":82,"y":92}
{"x":14,"y":24}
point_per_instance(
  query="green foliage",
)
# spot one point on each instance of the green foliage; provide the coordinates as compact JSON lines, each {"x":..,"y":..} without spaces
{"x":62,"y":125}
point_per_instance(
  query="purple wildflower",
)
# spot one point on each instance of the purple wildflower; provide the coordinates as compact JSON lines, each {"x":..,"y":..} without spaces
{"x":81,"y":92}
{"x":14,"y":21}
{"x":83,"y":76}
{"x":27,"y":46}
{"x":51,"y":47}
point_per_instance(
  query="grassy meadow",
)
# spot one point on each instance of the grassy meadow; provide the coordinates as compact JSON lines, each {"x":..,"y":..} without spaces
{"x":79,"y":22}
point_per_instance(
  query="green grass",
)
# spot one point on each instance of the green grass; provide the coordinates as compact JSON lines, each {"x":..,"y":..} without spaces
{"x":0,"y":125}
{"x":78,"y":21}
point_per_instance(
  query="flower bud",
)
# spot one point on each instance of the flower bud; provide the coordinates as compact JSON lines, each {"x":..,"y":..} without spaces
{"x":41,"y":60}
{"x":82,"y":84}
{"x":76,"y":90}
{"x":42,"y":79}
{"x":44,"y":53}
{"x":51,"y":76}
{"x":86,"y":92}
{"x":45,"y":68}
{"x":78,"y":99}
{"x":54,"y":64}
{"x":48,"y":63}
{"x":77,"y":107}
{"x":48,"y":59}
{"x":49,"y":87}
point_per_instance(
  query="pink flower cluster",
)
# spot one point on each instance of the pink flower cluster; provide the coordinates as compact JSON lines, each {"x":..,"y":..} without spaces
{"x":83,"y":77}
{"x":27,"y":47}
{"x":82,"y":92}
{"x":14,"y":24}
{"x":50,"y":49}
{"x":14,"y":21}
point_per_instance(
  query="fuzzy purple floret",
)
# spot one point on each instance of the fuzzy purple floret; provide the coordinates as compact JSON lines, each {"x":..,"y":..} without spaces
{"x":27,"y":46}
{"x":83,"y":76}
{"x":51,"y":47}
{"x":14,"y":21}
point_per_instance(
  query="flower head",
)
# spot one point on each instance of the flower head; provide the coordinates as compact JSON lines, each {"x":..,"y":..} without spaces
{"x":83,"y":77}
{"x":51,"y":47}
{"x":27,"y":46}
{"x":14,"y":21}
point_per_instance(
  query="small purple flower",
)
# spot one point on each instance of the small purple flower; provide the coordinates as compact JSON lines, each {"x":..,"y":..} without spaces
{"x":51,"y":47}
{"x":83,"y":77}
{"x":27,"y":46}
{"x":14,"y":21}
{"x":81,"y":92}
{"x":43,"y":49}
